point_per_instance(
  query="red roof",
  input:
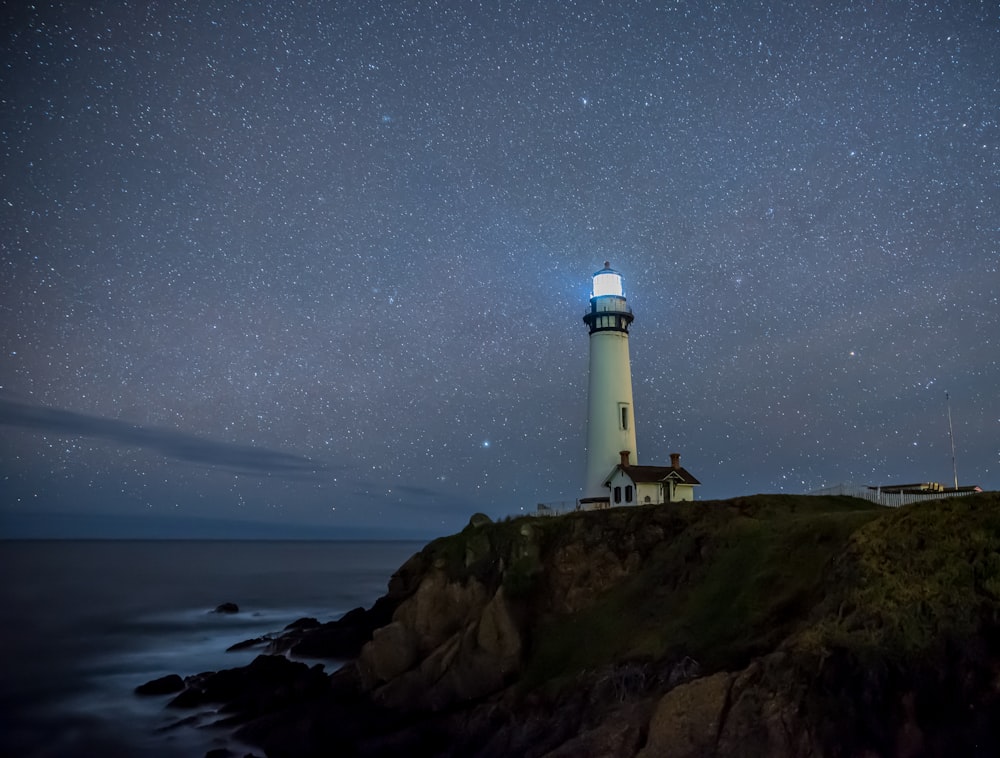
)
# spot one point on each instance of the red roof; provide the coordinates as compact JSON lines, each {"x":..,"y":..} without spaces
{"x":650,"y":474}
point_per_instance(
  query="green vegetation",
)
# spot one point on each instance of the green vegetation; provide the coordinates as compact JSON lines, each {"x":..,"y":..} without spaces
{"x":738,"y":577}
{"x":725,"y":581}
{"x":913,"y":580}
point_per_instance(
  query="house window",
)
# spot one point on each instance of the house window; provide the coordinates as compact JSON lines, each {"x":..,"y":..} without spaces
{"x":624,"y":416}
{"x":628,"y":493}
{"x":618,"y":494}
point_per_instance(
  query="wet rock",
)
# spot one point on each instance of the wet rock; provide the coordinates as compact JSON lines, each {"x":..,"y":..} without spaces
{"x":341,"y":639}
{"x":303,"y":623}
{"x":165,"y":685}
{"x":227,"y":608}
{"x":246,"y":644}
{"x":269,"y":682}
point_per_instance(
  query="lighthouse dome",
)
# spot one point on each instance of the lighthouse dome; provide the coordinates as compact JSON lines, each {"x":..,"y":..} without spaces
{"x":607,"y":281}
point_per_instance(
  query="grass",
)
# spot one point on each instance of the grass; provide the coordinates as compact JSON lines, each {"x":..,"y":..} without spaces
{"x":738,"y":578}
{"x":725,"y":581}
{"x":919,"y":576}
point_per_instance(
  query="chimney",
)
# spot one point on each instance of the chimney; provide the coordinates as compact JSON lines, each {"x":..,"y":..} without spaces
{"x":624,"y":454}
{"x":675,"y":460}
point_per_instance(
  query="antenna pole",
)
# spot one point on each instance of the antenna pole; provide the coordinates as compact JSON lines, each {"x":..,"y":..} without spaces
{"x":951,"y":436}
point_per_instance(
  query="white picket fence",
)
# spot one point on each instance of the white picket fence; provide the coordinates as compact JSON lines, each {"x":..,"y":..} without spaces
{"x":889,"y":499}
{"x":555,"y":508}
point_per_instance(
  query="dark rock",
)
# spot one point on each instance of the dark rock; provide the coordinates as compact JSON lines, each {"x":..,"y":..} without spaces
{"x":256,"y":641}
{"x":227,"y":608}
{"x":165,"y":685}
{"x":341,"y":721}
{"x":303,"y":623}
{"x":269,"y":682}
{"x":464,"y":660}
{"x":480,"y":519}
{"x":341,"y":639}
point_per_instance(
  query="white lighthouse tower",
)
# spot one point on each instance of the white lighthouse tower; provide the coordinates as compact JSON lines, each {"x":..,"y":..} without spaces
{"x":610,"y":413}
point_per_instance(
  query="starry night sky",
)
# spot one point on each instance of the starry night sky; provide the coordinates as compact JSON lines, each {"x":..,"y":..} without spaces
{"x":326,"y":263}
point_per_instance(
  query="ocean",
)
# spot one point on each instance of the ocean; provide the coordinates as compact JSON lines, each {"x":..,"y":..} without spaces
{"x":85,"y":622}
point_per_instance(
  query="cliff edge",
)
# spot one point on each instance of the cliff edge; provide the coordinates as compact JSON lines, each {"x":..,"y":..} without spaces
{"x":765,"y":625}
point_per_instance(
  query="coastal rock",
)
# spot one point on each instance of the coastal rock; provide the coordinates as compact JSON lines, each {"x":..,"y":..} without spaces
{"x":303,"y":623}
{"x":582,"y":571}
{"x":268,"y":682}
{"x":479,"y":519}
{"x":687,"y":719}
{"x":498,"y":634}
{"x":439,"y":608}
{"x":247,"y":644}
{"x":437,"y":626}
{"x":620,"y":733}
{"x":769,"y":625}
{"x":765,"y":711}
{"x":227,"y":608}
{"x":477,"y":660}
{"x":165,"y":685}
{"x":340,"y":639}
{"x":392,"y":651}
{"x":343,"y":639}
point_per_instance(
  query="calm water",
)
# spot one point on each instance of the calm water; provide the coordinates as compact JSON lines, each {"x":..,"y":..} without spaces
{"x":84,"y":623}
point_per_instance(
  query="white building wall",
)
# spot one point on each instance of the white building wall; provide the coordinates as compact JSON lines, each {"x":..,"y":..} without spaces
{"x":681,"y":493}
{"x":609,"y":393}
{"x":652,"y":490}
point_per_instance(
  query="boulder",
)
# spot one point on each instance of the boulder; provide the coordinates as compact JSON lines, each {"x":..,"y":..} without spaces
{"x":687,"y":720}
{"x":392,"y":651}
{"x":439,"y":608}
{"x":476,"y":661}
{"x":756,"y":711}
{"x":478,"y":548}
{"x":227,"y":608}
{"x":479,"y":519}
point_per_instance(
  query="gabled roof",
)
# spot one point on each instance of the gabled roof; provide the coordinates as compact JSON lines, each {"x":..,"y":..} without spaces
{"x":650,"y":474}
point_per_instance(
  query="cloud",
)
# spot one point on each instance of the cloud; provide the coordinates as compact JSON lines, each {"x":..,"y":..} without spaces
{"x":168,"y":442}
{"x":409,"y":489}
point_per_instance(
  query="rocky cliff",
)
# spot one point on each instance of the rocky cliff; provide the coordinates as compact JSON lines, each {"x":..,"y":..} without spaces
{"x":767,"y":625}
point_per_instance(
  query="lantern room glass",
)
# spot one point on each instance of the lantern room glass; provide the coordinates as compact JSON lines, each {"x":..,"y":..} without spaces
{"x":608,"y":283}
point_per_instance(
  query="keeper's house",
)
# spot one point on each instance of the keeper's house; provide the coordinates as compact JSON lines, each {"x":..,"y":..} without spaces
{"x":650,"y":485}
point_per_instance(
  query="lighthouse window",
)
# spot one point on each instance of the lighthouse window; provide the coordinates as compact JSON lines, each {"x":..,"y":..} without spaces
{"x":618,"y":494}
{"x":628,"y":493}
{"x":624,"y":411}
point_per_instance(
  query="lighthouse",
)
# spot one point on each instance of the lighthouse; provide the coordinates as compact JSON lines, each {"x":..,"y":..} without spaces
{"x":610,"y":412}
